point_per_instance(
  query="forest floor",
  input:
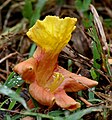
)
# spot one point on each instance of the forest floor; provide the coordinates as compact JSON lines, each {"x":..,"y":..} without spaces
{"x":89,"y":54}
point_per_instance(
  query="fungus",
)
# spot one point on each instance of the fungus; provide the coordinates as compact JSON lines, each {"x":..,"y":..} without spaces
{"x":48,"y":81}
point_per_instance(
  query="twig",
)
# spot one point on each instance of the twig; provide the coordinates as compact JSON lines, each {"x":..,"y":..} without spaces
{"x":85,"y":61}
{"x":101,"y":72}
{"x":3,"y":71}
{"x":4,"y":4}
{"x":7,"y":18}
{"x":105,"y":96}
{"x":88,"y":104}
{"x":78,"y":71}
{"x":29,"y":113}
{"x":99,"y":25}
{"x":9,"y":12}
{"x":109,"y":11}
{"x":8,"y":56}
{"x":88,"y":88}
{"x":7,"y":67}
{"x":1,"y":76}
{"x":0,"y":20}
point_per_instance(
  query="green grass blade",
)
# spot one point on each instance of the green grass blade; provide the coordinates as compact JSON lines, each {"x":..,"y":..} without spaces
{"x":13,"y":81}
{"x":16,"y":117}
{"x":29,"y":113}
{"x":27,"y":10}
{"x":6,"y":91}
{"x":56,"y":113}
{"x":82,"y":5}
{"x":91,"y":94}
{"x":60,"y":2}
{"x":94,"y":100}
{"x":37,"y":11}
{"x":5,"y":101}
{"x":9,"y":77}
{"x":33,"y":47}
{"x":78,"y":115}
{"x":13,"y":102}
{"x":70,"y":65}
{"x":97,"y":52}
{"x":7,"y":117}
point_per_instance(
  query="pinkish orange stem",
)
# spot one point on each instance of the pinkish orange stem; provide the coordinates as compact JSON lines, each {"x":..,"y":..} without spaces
{"x":47,"y":63}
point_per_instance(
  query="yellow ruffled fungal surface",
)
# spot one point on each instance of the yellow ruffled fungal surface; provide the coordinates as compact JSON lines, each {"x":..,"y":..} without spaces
{"x":48,"y":81}
{"x":53,"y":33}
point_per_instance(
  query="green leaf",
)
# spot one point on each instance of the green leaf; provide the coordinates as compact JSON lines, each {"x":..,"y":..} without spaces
{"x":87,"y":21}
{"x":78,"y":115}
{"x":60,"y":2}
{"x":7,"y":117}
{"x":82,"y":5}
{"x":5,"y":101}
{"x":13,"y":102}
{"x":29,"y":113}
{"x":91,"y":94}
{"x":96,"y":50}
{"x":33,"y":47}
{"x":96,"y":56}
{"x":37,"y":11}
{"x":6,"y":91}
{"x":27,"y":10}
{"x":94,"y":100}
{"x":35,"y":114}
{"x":70,"y":65}
{"x":108,"y":66}
{"x":13,"y":80}
{"x":9,"y":77}
{"x":93,"y":73}
{"x":16,"y":117}
{"x":56,"y":113}
{"x":93,"y":33}
{"x":86,"y":4}
{"x":108,"y":23}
